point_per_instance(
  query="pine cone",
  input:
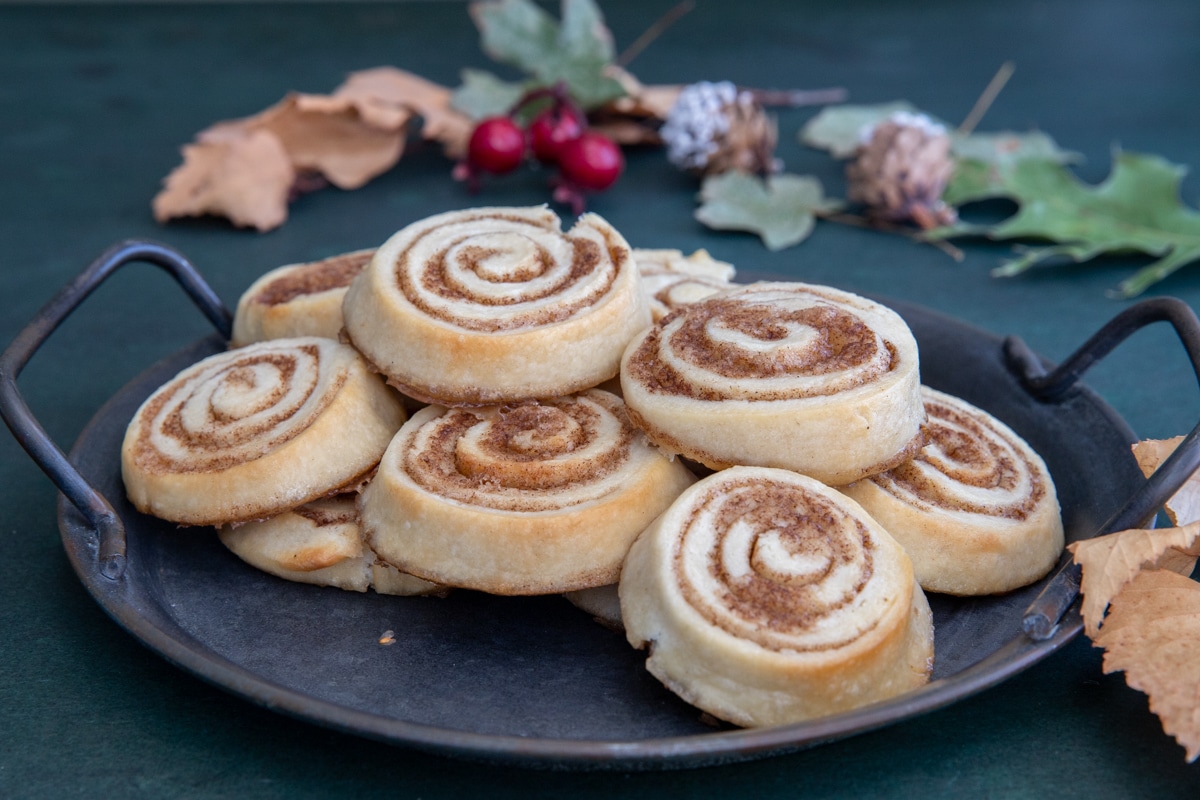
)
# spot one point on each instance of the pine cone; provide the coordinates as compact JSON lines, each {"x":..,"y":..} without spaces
{"x":714,"y":128}
{"x":901,"y":170}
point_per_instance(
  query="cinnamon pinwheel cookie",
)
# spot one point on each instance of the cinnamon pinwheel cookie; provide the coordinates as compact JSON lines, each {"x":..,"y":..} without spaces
{"x":671,"y":279}
{"x":249,"y":433}
{"x":788,"y":375}
{"x":497,"y":304}
{"x":319,"y":543}
{"x":976,"y":509}
{"x":297,"y":300}
{"x":535,"y":497}
{"x":766,"y":597}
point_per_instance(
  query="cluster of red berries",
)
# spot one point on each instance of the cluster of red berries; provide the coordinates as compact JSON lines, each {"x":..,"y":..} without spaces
{"x":557,"y":135}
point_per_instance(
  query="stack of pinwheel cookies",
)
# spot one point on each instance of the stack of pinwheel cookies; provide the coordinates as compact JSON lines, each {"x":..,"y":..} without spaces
{"x":749,"y":479}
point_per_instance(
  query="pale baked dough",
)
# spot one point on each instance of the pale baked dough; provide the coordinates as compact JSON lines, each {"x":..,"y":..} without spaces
{"x":531,"y":498}
{"x":788,"y":375}
{"x":602,"y":602}
{"x":766,"y":598}
{"x":249,"y":433}
{"x":670,"y":279}
{"x":297,"y":300}
{"x":490,"y":305}
{"x":320,"y":543}
{"x":976,"y":509}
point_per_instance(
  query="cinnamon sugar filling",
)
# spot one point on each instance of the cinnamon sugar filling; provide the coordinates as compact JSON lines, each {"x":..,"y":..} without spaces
{"x":779,"y":561}
{"x":320,"y":276}
{"x":962,"y":450}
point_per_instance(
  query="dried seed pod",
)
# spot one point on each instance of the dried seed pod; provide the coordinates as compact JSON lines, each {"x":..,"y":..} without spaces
{"x":715,"y":127}
{"x":901,"y":169}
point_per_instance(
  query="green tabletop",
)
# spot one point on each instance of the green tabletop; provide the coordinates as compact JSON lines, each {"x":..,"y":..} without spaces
{"x":95,"y":102}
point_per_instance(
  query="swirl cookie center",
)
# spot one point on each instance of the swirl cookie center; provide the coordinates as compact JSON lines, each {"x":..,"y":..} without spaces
{"x":517,"y":458}
{"x":771,"y":566}
{"x":510,"y":277}
{"x":248,"y":390}
{"x":536,"y":431}
{"x":968,"y":466}
{"x":500,"y":258}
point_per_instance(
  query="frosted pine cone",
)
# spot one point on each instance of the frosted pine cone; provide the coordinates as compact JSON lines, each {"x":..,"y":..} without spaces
{"x":714,"y":128}
{"x":901,"y":170}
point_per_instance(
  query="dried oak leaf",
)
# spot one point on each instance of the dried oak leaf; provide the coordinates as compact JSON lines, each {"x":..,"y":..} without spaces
{"x":244,"y":175}
{"x":346,"y":140}
{"x":1152,"y":634}
{"x":635,"y":118}
{"x":247,"y":169}
{"x":1184,"y":506}
{"x":387,"y":89}
{"x":1111,"y":562}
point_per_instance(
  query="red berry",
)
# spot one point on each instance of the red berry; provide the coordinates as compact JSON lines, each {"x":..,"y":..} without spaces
{"x":549,"y":131}
{"x":497,"y":146}
{"x":592,"y":161}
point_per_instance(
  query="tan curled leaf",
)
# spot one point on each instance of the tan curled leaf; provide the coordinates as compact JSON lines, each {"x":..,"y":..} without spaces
{"x":1153,"y":635}
{"x":1184,"y":506}
{"x":1111,"y":562}
{"x":641,"y":100}
{"x":635,"y":118}
{"x":334,"y":136}
{"x":244,"y":175}
{"x":388,"y":87}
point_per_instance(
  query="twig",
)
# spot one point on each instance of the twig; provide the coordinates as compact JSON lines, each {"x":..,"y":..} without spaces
{"x":987,"y":98}
{"x":653,"y":32}
{"x":795,"y":98}
{"x":888,"y":227}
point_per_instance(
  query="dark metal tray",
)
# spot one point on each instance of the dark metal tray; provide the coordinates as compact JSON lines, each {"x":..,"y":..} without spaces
{"x":534,"y":680}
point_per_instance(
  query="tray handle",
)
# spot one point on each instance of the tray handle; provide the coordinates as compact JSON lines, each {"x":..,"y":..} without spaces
{"x":29,"y":432}
{"x":1044,"y":613}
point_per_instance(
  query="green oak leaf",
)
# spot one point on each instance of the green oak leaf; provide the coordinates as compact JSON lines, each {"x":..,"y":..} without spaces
{"x":1136,"y":209}
{"x":482,"y":94}
{"x":980,"y":156}
{"x":575,"y":51}
{"x":1009,"y":146}
{"x":838,"y":128}
{"x":781,"y":209}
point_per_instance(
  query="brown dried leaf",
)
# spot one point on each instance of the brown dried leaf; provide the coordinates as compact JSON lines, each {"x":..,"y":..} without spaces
{"x":1184,"y":506}
{"x":388,"y":88}
{"x":641,"y":100}
{"x":241,"y":174}
{"x":634,"y":119}
{"x":1111,"y":562}
{"x":334,"y":137}
{"x":1152,"y":452}
{"x":1153,"y":635}
{"x":245,"y":169}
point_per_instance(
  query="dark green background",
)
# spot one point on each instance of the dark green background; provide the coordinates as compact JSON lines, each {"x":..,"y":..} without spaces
{"x":95,"y":102}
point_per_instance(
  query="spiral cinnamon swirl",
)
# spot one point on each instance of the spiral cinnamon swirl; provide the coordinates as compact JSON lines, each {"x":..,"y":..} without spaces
{"x":319,"y":543}
{"x":670,"y":279}
{"x":765,"y":598}
{"x":249,"y":433}
{"x":297,"y":300}
{"x":529,"y":498}
{"x":976,"y":509}
{"x":491,"y":305}
{"x":788,"y":375}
